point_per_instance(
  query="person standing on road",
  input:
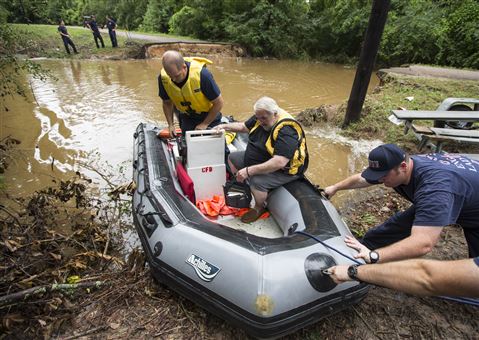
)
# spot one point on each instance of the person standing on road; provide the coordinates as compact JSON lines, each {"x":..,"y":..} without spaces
{"x":66,"y":37}
{"x":111,"y":25}
{"x":93,"y":26}
{"x":188,"y":89}
{"x":443,"y":189}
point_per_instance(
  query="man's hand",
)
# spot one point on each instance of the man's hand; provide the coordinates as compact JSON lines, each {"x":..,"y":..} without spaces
{"x":219,"y":128}
{"x":241,"y":175}
{"x":172,"y":130}
{"x":361,"y":248}
{"x":201,"y":126}
{"x":339,"y":274}
{"x":330,"y":191}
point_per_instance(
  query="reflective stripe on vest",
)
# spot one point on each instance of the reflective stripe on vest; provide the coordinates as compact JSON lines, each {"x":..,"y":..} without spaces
{"x":188,"y":99}
{"x":299,"y":162}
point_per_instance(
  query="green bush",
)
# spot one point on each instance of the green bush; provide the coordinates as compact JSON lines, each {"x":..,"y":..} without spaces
{"x":462,"y":36}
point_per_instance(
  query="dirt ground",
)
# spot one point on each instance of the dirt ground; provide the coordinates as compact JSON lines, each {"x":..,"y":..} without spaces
{"x":131,"y":304}
{"x":150,"y":310}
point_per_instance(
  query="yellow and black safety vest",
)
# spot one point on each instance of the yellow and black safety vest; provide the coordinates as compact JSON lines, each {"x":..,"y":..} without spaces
{"x":189,"y":98}
{"x":298,"y":164}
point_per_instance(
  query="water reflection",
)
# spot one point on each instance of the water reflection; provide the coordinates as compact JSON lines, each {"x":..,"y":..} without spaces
{"x":95,"y":105}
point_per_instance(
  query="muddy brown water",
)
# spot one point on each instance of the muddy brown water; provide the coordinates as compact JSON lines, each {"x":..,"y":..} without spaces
{"x":91,"y":111}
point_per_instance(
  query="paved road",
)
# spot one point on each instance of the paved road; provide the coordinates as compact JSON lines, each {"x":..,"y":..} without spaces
{"x":430,"y":71}
{"x":151,"y":38}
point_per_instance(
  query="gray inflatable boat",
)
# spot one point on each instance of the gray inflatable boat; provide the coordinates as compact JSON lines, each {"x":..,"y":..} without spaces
{"x":264,"y":277}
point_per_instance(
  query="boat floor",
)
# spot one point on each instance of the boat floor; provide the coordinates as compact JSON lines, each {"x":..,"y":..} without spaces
{"x":266,"y":227}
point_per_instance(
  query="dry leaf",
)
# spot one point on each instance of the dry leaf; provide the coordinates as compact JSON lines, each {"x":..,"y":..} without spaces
{"x":114,"y":325}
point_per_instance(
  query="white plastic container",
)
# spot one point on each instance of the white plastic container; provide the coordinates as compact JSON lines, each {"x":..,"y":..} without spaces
{"x":205,"y":162}
{"x":209,"y":180}
{"x":204,"y":147}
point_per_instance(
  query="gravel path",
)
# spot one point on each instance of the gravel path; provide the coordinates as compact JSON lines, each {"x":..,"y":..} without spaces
{"x":430,"y":71}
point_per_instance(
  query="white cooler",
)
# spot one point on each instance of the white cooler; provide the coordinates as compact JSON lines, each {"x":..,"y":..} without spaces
{"x":205,"y":162}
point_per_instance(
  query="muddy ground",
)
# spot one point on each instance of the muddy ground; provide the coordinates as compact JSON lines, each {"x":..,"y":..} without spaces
{"x":130,"y":304}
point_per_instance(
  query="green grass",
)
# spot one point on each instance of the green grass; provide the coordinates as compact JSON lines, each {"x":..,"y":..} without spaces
{"x":45,"y":41}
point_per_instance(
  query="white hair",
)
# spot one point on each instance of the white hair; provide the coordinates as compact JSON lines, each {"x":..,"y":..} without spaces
{"x":266,"y":104}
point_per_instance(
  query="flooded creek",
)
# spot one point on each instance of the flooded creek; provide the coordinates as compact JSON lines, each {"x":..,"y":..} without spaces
{"x":92,"y":109}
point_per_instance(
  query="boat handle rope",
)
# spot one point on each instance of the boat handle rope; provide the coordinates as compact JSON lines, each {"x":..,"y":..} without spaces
{"x":328,"y":246}
{"x":464,"y":300}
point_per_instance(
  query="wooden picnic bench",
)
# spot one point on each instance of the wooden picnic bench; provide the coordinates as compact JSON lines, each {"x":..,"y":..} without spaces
{"x":439,"y":135}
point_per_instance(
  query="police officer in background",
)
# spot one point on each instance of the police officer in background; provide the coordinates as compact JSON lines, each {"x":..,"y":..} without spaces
{"x":93,"y":26}
{"x":111,"y":25}
{"x":66,"y":37}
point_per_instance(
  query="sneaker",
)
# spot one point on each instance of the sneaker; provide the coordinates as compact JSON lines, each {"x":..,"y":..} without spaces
{"x":252,"y":215}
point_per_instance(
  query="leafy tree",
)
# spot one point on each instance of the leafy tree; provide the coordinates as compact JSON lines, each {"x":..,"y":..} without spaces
{"x":186,"y":21}
{"x":158,"y":14}
{"x":270,"y":28}
{"x":130,"y":12}
{"x":12,"y":68}
{"x":337,"y":27}
{"x":462,"y":35}
{"x":413,"y":33}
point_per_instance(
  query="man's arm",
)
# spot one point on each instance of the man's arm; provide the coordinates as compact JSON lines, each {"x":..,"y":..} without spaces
{"x":217,"y":106}
{"x":275,"y":163}
{"x":233,"y":127}
{"x":168,"y":107}
{"x":421,"y":241}
{"x":352,"y":182}
{"x":421,"y":277}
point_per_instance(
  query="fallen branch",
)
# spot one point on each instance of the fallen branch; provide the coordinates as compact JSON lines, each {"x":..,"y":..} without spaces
{"x":88,"y":332}
{"x":31,"y":292}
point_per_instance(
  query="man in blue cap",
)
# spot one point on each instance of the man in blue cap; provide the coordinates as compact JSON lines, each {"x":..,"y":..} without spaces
{"x":443,"y":189}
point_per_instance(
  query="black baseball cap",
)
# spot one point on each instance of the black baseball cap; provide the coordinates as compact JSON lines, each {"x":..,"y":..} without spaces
{"x":381,"y":160}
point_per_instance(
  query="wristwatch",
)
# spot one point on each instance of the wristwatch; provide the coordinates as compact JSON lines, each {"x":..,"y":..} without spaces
{"x":353,"y":272}
{"x":373,"y":256}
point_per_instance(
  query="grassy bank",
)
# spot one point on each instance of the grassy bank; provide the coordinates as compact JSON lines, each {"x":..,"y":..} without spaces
{"x":396,"y":91}
{"x":45,"y":41}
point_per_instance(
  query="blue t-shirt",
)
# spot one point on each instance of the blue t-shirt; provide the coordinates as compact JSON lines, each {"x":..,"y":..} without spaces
{"x":476,"y":261}
{"x":94,"y":26}
{"x":63,"y":29}
{"x":111,"y":24}
{"x":444,"y":189}
{"x":208,"y":85}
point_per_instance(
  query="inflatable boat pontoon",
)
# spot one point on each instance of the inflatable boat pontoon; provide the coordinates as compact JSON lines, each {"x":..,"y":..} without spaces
{"x":262,"y":277}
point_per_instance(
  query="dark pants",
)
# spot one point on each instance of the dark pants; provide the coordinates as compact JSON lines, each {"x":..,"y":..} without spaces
{"x":97,"y":36}
{"x":112,"y":34}
{"x":399,"y":226}
{"x":67,"y":41}
{"x":188,"y":122}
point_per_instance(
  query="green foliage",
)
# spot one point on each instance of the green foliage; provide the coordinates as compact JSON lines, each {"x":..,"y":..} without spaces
{"x":337,"y":28}
{"x":401,"y":41}
{"x":158,"y":14}
{"x":11,"y":67}
{"x":462,"y":35}
{"x":186,"y":21}
{"x":443,"y":32}
{"x":271,"y":28}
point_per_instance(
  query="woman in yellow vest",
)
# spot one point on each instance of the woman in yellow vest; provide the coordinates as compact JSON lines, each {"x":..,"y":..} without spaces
{"x":275,"y":155}
{"x":187,"y":87}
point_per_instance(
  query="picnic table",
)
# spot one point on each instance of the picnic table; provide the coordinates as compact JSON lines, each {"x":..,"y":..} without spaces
{"x":439,"y":135}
